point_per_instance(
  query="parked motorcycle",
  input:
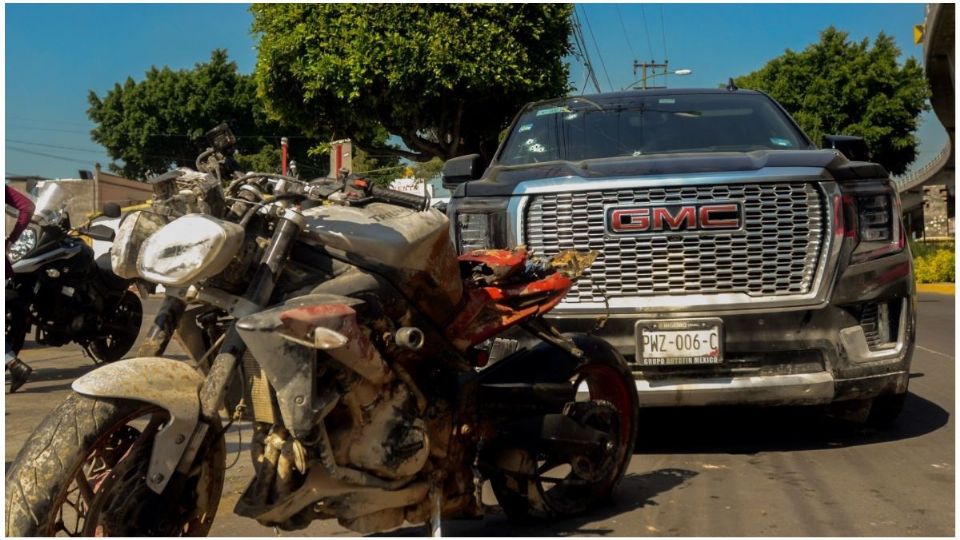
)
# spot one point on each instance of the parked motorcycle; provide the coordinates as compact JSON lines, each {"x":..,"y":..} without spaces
{"x":62,"y":291}
{"x":337,"y":318}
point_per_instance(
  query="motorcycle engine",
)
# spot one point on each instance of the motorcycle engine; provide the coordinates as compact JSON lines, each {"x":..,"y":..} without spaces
{"x":377,"y":429}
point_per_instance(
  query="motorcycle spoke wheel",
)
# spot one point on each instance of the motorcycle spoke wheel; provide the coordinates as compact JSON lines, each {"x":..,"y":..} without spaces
{"x":83,"y":473}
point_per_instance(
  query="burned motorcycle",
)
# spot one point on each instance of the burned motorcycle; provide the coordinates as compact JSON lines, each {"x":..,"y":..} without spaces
{"x":62,"y":291}
{"x":334,"y":316}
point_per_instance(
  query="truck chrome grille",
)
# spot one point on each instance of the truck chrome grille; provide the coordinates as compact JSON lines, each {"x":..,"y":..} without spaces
{"x":775,"y":253}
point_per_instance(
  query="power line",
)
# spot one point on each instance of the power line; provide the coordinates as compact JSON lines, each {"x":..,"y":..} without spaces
{"x":597,"y":47}
{"x":43,"y":154}
{"x":625,"y":34}
{"x":52,"y":129}
{"x":663,"y":33}
{"x":89,"y":150}
{"x":584,"y":52}
{"x":646,"y":30}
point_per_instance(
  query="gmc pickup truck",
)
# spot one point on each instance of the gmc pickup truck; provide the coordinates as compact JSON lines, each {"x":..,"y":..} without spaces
{"x":738,"y":263}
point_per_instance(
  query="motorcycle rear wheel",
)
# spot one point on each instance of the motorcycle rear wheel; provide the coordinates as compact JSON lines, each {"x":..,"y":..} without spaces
{"x":82,"y":472}
{"x":547,"y":488}
{"x":121,"y":328}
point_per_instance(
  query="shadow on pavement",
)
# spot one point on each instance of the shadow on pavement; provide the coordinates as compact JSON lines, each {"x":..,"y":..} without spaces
{"x":635,"y":491}
{"x":747,"y":430}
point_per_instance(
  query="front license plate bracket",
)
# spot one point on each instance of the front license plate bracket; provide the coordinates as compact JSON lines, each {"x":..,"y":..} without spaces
{"x":676,"y":342}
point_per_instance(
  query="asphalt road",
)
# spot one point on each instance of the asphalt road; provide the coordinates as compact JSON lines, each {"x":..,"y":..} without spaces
{"x":696,"y":472}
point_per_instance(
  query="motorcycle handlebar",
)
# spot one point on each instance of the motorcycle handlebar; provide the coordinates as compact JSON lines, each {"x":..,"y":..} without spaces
{"x":400,"y":198}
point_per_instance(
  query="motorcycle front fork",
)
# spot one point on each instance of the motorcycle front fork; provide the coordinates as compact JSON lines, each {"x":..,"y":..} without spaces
{"x":258,"y":293}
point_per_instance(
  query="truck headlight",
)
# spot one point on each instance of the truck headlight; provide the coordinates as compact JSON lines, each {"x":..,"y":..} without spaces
{"x":872,"y":218}
{"x":189,"y":249}
{"x":479,"y":223}
{"x":23,"y":245}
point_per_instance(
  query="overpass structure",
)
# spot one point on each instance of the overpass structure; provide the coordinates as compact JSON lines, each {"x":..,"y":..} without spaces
{"x":927,"y":193}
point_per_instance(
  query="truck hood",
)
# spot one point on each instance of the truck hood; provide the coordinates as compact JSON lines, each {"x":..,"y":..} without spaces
{"x":500,"y":180}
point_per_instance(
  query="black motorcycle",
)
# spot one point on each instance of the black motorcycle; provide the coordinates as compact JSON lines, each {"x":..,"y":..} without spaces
{"x":59,"y":288}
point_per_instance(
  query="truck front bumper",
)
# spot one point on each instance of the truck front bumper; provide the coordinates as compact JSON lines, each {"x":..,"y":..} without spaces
{"x":802,"y":357}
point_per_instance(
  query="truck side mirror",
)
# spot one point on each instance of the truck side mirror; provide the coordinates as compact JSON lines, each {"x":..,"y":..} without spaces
{"x":855,"y":148}
{"x":462,"y":169}
{"x":111,"y":210}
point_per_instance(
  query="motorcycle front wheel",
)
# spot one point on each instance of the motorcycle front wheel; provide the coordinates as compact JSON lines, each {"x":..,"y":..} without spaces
{"x":120,"y":329}
{"x":543,"y":485}
{"x":83,"y":472}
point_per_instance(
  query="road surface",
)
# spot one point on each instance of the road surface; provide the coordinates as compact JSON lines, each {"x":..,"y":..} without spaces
{"x":696,"y":472}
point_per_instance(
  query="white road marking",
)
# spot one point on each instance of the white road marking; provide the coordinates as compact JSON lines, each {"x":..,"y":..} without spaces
{"x":922,"y":348}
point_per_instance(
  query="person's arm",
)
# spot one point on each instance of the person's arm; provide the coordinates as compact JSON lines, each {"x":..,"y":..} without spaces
{"x":25,"y":206}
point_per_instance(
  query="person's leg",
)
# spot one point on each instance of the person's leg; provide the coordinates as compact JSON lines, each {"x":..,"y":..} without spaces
{"x":19,"y":371}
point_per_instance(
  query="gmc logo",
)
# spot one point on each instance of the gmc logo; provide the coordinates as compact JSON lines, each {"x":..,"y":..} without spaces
{"x":678,"y":217}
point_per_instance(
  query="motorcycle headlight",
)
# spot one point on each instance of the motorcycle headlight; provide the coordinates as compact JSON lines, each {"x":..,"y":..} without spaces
{"x":133,"y":231}
{"x":23,"y":245}
{"x":189,"y":249}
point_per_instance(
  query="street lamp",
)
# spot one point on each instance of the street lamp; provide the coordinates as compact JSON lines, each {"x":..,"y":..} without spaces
{"x":643,"y":79}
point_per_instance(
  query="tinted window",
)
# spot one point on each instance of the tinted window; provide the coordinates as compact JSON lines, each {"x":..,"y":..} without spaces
{"x":578,"y":128}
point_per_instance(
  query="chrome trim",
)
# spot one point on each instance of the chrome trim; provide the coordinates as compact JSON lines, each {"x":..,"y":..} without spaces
{"x":568,"y":184}
{"x":516,"y":216}
{"x":805,"y":388}
{"x":858,"y":351}
{"x":821,"y":286}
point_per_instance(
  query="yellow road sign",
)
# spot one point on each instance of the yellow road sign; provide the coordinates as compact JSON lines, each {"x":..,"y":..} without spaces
{"x":917,"y":33}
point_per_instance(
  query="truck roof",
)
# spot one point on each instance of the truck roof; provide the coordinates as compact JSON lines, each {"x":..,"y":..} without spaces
{"x":615,"y":97}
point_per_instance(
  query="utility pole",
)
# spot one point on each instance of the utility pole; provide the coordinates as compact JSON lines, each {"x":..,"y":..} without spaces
{"x":655,"y":70}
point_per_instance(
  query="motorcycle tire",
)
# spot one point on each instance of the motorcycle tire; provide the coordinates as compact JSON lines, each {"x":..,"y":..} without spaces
{"x":532,"y":494}
{"x":83,"y":472}
{"x":121,"y":329}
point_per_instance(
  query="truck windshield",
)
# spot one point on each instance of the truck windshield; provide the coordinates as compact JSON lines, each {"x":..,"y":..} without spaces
{"x":580,"y":128}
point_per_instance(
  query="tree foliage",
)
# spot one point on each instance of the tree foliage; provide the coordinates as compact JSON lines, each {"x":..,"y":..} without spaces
{"x":444,"y":78}
{"x":836,"y":86}
{"x":159,"y":122}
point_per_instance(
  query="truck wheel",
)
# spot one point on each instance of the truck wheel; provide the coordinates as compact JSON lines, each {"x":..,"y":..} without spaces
{"x":82,"y":473}
{"x":884,"y":410}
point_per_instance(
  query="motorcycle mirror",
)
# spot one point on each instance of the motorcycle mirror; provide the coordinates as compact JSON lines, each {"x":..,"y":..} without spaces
{"x":101,"y":232}
{"x":111,"y":209}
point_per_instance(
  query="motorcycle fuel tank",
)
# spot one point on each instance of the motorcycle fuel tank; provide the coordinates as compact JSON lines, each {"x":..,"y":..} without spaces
{"x":412,"y":248}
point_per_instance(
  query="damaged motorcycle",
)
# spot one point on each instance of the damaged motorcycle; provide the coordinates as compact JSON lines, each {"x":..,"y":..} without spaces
{"x":336,"y":318}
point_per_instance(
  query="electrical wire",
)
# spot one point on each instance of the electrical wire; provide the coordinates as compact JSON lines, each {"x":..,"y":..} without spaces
{"x":625,"y":34}
{"x":73,"y":148}
{"x":43,"y":154}
{"x":646,"y":29}
{"x":584,"y":52}
{"x":597,"y":47}
{"x":663,"y":33}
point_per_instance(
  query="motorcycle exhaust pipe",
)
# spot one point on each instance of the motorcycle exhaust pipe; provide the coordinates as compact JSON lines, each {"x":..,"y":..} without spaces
{"x":409,"y":337}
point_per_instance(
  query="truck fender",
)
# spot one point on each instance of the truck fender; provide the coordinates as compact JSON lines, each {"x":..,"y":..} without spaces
{"x":169,"y":384}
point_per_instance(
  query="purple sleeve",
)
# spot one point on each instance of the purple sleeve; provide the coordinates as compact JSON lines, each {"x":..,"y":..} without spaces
{"x":25,"y":206}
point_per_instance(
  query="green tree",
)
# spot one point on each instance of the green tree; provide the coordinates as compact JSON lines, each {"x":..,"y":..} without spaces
{"x":836,"y":86}
{"x":159,"y":122}
{"x":444,"y":78}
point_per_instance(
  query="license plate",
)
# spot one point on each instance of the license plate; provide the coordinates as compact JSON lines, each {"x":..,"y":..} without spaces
{"x":679,"y":342}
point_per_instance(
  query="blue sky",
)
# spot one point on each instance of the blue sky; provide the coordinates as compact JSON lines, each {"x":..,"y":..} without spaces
{"x":56,"y":53}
